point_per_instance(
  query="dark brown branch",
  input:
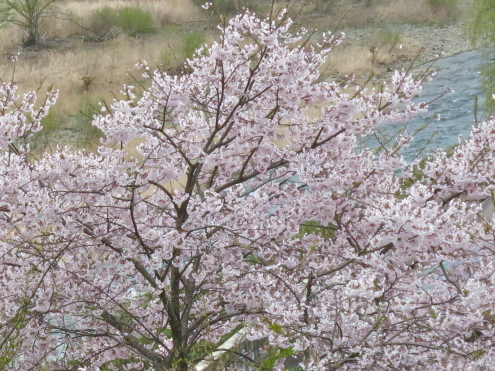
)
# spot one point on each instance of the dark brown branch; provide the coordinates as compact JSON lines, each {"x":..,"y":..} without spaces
{"x":242,"y":179}
{"x":316,"y":144}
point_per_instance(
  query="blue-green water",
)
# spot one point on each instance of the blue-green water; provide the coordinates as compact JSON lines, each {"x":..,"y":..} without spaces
{"x":456,"y":110}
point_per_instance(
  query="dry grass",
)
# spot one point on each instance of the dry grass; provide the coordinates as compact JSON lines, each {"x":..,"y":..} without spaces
{"x":348,"y":59}
{"x":95,"y":68}
{"x":9,"y":39}
{"x":373,"y":54}
{"x":77,"y":68}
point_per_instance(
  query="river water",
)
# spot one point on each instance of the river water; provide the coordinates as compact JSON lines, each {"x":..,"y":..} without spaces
{"x":456,"y":110}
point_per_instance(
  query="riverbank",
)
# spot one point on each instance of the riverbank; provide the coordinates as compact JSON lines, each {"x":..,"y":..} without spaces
{"x":408,"y":45}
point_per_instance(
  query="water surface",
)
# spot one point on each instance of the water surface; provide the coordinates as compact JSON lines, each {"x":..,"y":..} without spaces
{"x":455,"y":110}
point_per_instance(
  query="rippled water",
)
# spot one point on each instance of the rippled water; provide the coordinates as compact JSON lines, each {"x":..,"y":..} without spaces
{"x":456,"y":110}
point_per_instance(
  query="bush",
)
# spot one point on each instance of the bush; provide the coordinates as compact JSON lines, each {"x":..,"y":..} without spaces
{"x":107,"y":22}
{"x":75,"y":130}
{"x":387,"y":38}
{"x":134,"y":21}
{"x":481,"y":30}
{"x":226,"y":6}
{"x":383,"y":41}
{"x":103,"y":22}
{"x":324,"y":6}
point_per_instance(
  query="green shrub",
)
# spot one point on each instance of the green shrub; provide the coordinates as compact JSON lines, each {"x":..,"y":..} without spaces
{"x":388,"y":38}
{"x":51,"y":122}
{"x":46,"y":139}
{"x":134,"y":21}
{"x":74,"y":130}
{"x":324,"y":6}
{"x":226,"y":6}
{"x":103,"y":22}
{"x":107,"y":22}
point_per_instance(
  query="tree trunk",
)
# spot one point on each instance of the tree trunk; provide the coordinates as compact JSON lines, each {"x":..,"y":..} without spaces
{"x":33,"y":35}
{"x":31,"y":40}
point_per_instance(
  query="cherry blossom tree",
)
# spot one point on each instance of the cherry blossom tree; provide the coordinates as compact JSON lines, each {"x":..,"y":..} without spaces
{"x":245,"y":210}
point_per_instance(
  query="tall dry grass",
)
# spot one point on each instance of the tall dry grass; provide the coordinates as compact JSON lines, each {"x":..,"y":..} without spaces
{"x":78,"y":68}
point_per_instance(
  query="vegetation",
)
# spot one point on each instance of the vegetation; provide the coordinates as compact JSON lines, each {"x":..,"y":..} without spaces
{"x":108,"y":22}
{"x":87,"y":217}
{"x":239,"y":216}
{"x":244,"y":212}
{"x":383,"y":40}
{"x":103,"y":22}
